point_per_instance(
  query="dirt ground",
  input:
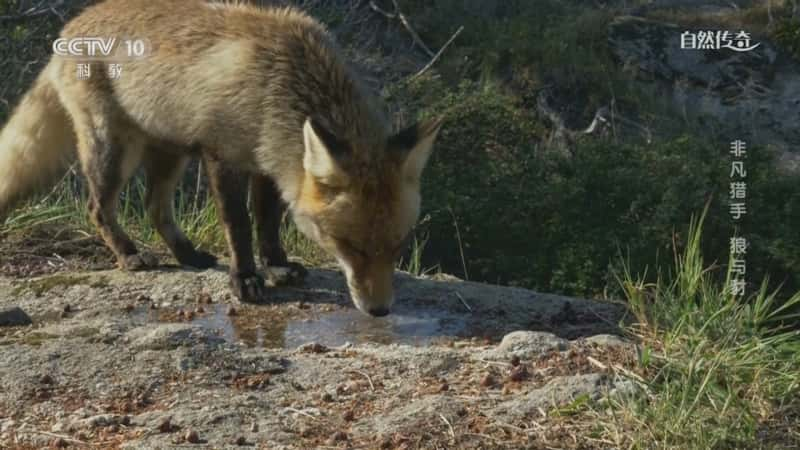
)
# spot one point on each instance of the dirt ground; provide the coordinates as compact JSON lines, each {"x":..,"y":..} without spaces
{"x":168,"y":359}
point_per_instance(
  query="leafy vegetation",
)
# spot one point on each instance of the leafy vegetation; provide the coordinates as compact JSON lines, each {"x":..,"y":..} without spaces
{"x":556,"y":221}
{"x":503,"y":205}
{"x":787,"y":34}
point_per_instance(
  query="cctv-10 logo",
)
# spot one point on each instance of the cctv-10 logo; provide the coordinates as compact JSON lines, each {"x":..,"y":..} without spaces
{"x":97,"y":48}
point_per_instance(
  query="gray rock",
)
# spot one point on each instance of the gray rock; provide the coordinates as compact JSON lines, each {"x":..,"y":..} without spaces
{"x":752,"y":95}
{"x":155,"y":369}
{"x":14,"y":317}
{"x":436,"y":365}
{"x":169,"y":336}
{"x":623,"y":388}
{"x":559,"y":391}
{"x":98,"y":421}
{"x":607,"y":340}
{"x":7,"y":425}
{"x":526,"y":345}
{"x":406,"y":417}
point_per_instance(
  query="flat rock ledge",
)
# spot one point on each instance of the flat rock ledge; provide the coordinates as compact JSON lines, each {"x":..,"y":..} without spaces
{"x":166,"y":359}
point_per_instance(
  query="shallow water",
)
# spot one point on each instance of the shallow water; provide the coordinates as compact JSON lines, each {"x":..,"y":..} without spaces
{"x":261,"y":327}
{"x":350,"y":325}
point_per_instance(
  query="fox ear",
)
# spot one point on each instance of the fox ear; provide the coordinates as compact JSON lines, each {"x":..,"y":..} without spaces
{"x":414,"y":145}
{"x":324,"y":153}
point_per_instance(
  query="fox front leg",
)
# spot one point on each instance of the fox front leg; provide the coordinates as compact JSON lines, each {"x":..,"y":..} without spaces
{"x":268,"y":209}
{"x":230,"y":194}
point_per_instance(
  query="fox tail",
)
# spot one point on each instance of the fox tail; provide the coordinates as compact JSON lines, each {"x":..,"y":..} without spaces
{"x":36,"y":145}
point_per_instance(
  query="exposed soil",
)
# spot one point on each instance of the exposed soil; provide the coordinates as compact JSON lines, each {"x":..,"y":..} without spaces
{"x":44,"y":251}
{"x":167,"y":359}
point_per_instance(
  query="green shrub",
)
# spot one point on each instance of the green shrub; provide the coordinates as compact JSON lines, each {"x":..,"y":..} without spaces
{"x":525,"y":214}
{"x":787,"y":35}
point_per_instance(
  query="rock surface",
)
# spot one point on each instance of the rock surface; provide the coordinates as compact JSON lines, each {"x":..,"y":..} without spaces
{"x":154,"y":360}
{"x":752,"y":96}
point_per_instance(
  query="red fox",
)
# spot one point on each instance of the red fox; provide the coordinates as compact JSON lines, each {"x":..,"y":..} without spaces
{"x":262,"y":92}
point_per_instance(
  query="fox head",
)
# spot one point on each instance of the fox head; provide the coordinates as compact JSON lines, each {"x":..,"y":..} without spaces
{"x":361,"y":204}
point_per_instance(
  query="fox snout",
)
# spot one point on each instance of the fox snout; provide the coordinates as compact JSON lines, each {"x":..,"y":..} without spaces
{"x":359,"y":200}
{"x":372,"y":290}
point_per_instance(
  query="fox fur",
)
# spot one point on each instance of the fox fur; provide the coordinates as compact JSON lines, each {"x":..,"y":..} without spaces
{"x":266,"y":99}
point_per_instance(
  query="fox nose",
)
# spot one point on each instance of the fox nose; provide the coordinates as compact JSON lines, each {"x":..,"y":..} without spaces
{"x":378,"y":312}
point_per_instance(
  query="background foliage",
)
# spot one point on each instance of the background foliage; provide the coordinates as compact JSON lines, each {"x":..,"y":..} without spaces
{"x":503,"y":203}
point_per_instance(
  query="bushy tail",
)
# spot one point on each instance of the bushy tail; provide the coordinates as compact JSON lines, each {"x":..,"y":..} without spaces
{"x":36,"y":145}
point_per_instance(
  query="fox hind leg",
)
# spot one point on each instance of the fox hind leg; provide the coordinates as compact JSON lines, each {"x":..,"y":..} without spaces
{"x":230,"y":193}
{"x":110,"y":151}
{"x":164,"y":170}
{"x":268,"y":209}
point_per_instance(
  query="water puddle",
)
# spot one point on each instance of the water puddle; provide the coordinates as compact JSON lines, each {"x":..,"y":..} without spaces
{"x":419,"y":327}
{"x":277,"y":327}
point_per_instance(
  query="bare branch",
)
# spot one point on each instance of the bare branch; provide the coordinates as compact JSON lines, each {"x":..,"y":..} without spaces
{"x":439,"y":53}
{"x":411,"y":30}
{"x":382,"y":11}
{"x":397,"y":14}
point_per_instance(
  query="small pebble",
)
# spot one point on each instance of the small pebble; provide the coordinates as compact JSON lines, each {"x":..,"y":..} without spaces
{"x":339,"y":436}
{"x":518,"y":373}
{"x":165,"y":426}
{"x":191,"y":437}
{"x":204,"y":297}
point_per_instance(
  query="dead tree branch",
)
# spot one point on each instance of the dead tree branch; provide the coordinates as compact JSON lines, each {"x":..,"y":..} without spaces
{"x":439,"y":53}
{"x":397,"y":14}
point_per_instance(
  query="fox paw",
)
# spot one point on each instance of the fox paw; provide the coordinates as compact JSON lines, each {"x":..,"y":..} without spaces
{"x":199,"y":260}
{"x":138,"y":261}
{"x":249,"y":287}
{"x":290,"y":275}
